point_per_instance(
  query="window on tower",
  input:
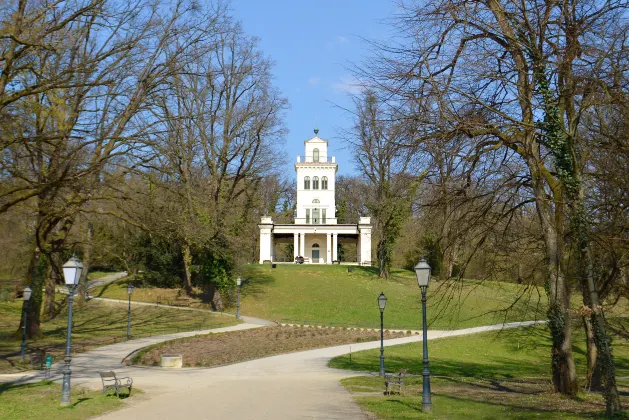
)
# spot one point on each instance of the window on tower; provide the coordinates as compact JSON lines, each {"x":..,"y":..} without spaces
{"x":315,"y":182}
{"x":306,"y":183}
{"x":315,"y":155}
{"x":316,"y":201}
{"x":324,"y":183}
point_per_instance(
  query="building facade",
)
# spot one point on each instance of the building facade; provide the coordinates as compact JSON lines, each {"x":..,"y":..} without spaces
{"x":315,"y":233}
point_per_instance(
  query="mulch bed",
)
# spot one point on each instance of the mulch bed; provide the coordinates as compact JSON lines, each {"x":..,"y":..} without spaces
{"x":232,"y":347}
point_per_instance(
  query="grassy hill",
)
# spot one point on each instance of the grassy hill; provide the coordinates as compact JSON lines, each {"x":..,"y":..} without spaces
{"x":331,"y":295}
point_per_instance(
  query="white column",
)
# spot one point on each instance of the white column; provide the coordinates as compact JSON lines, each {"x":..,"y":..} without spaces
{"x":302,"y":245}
{"x":295,"y":245}
{"x":328,"y":248}
{"x":272,"y":239}
{"x":335,"y":246}
{"x":365,"y":245}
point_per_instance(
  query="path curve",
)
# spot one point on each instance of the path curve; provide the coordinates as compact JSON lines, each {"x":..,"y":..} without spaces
{"x":289,"y":386}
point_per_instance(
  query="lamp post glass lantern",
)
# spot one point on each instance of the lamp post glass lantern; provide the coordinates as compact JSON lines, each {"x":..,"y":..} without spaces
{"x":422,"y":272}
{"x":238,"y":283}
{"x":382,"y":303}
{"x":71,"y":274}
{"x":129,"y":292}
{"x":27,"y":297}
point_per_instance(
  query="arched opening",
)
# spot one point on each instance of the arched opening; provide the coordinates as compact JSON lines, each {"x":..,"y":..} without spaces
{"x":315,"y":155}
{"x":324,"y":183}
{"x":306,"y":183}
{"x":315,"y":245}
{"x":315,"y":201}
{"x":315,"y":182}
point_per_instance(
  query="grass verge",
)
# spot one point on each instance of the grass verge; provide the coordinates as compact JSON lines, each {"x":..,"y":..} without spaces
{"x":238,"y":346}
{"x":40,"y":401}
{"x":481,"y":376}
{"x":95,"y":324}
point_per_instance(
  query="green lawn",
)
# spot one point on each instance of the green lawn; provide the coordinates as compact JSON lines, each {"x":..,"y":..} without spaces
{"x":330,"y":295}
{"x":40,"y":401}
{"x":96,"y":324}
{"x":482,"y":376}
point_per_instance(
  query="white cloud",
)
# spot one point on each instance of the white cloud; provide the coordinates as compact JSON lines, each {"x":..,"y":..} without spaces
{"x":313,"y":81}
{"x":342,"y":40}
{"x":348,"y":84}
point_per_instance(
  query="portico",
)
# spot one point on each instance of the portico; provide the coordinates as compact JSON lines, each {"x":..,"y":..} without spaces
{"x":316,"y":235}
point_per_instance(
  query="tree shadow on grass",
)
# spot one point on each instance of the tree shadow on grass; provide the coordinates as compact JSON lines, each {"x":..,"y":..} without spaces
{"x":256,"y":282}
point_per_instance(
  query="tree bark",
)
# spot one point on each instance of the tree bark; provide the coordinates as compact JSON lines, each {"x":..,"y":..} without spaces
{"x":187,"y":260}
{"x":552,"y":221}
{"x":35,"y":280}
{"x":50,"y":284}
{"x":593,"y":380}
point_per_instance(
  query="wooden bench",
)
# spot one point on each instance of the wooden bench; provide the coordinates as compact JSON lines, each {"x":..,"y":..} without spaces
{"x":110,"y":381}
{"x":392,"y":380}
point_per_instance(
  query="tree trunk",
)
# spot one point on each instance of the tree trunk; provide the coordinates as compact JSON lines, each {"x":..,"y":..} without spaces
{"x":593,"y":378}
{"x":35,"y":280}
{"x":605,"y":359}
{"x":217,"y":300}
{"x":381,"y":252}
{"x":187,"y":260}
{"x":552,"y":221}
{"x":87,"y":259}
{"x":49,"y":285}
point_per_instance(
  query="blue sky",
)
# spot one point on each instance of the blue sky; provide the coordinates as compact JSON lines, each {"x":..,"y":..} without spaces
{"x":312,"y":44}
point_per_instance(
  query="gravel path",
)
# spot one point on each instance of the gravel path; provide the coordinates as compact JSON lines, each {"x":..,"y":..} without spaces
{"x":290,"y":386}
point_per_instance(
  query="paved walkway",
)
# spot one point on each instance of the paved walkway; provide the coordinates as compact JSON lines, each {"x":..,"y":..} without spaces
{"x":92,"y":284}
{"x":290,"y":386}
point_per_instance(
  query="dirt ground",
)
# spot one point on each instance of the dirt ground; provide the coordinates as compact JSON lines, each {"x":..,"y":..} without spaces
{"x":221,"y":349}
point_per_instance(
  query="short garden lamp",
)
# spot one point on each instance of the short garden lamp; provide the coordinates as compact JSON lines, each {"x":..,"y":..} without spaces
{"x":72,"y":274}
{"x":422,"y":271}
{"x":129,"y":292}
{"x":382,"y":303}
{"x":238,"y":283}
{"x":26,"y":294}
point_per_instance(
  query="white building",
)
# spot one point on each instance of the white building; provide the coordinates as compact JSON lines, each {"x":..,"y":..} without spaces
{"x":315,"y":233}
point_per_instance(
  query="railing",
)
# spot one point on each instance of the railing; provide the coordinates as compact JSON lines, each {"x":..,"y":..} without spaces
{"x":311,"y":159}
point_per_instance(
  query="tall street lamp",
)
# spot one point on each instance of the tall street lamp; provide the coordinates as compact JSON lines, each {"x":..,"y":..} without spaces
{"x":71,"y":274}
{"x":238,"y":283}
{"x":422,"y":271}
{"x":382,"y":303}
{"x":27,"y":296}
{"x":129,"y":292}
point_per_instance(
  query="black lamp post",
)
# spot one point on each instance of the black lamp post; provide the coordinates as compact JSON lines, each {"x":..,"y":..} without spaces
{"x":27,"y":296}
{"x":238,"y":283}
{"x":129,"y":292}
{"x":71,"y":274}
{"x":422,"y":271}
{"x":382,"y":303}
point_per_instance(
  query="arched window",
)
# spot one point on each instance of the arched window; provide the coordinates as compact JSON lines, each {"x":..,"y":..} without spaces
{"x":315,"y":182}
{"x":324,"y":183}
{"x":316,"y":201}
{"x":306,"y":183}
{"x":315,"y":245}
{"x":315,"y":155}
